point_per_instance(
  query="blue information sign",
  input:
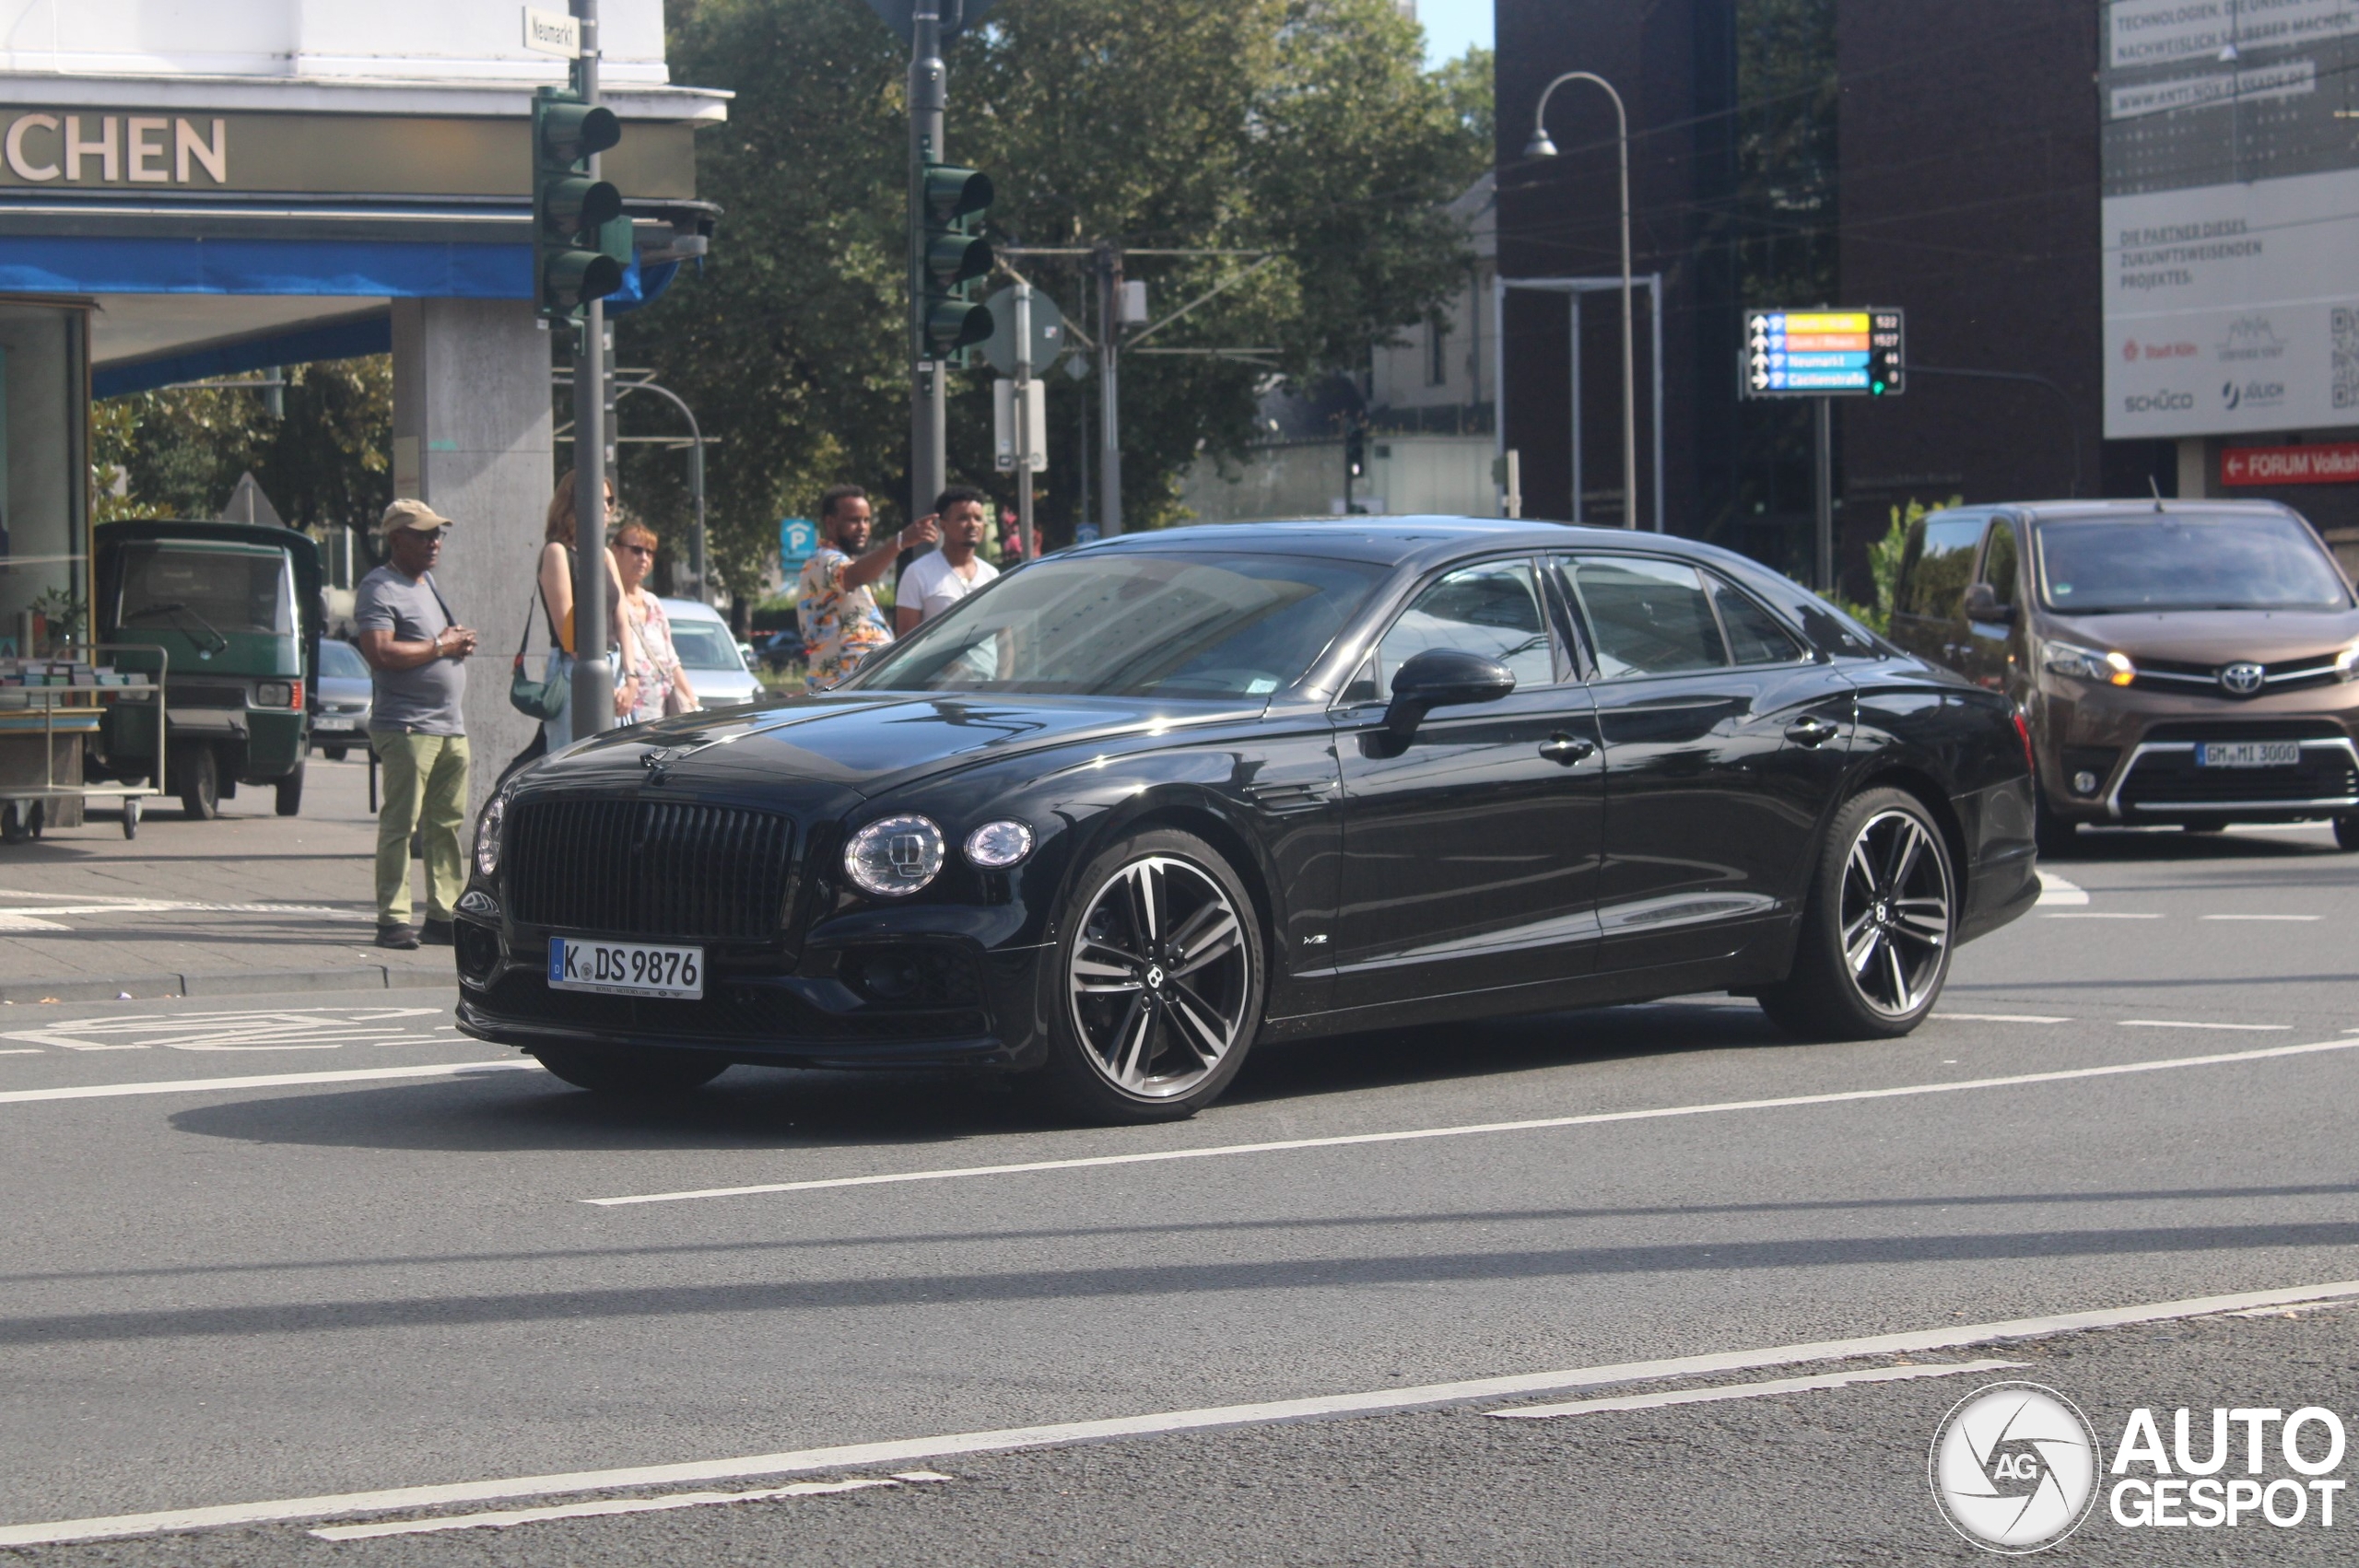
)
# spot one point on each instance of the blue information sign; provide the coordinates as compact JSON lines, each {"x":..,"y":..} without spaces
{"x":797,"y":537}
{"x":1821,"y":353}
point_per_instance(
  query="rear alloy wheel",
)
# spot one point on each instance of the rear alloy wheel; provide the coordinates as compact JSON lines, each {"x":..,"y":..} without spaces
{"x":631,"y":1069}
{"x":1877,"y":927}
{"x":1161,"y":975}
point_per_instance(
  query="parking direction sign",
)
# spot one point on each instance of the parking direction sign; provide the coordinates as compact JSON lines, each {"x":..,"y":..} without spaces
{"x":796,"y":541}
{"x":1850,"y":353}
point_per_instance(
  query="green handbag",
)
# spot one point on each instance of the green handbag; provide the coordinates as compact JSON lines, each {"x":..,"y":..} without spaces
{"x":536,"y":699}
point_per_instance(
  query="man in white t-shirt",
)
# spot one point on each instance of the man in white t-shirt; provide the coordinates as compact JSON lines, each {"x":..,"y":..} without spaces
{"x":941,"y":577}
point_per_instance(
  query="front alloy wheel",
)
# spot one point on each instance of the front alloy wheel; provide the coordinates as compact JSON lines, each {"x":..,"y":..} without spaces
{"x":1877,"y":927}
{"x":1161,"y":976}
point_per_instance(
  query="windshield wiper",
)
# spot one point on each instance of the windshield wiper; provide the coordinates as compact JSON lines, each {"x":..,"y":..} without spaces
{"x":220,"y":643}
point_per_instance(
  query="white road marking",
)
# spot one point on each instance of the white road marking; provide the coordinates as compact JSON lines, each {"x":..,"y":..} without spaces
{"x":2178,"y":1023}
{"x":1408,"y":1135}
{"x":862,"y":1456}
{"x":2003,"y":1017}
{"x":2103,"y":915}
{"x":18,"y":920}
{"x":271,"y":1081}
{"x":274,"y":1029}
{"x":506,"y":1517}
{"x":1744,"y":1390}
{"x":2262,"y":917}
{"x":2054,"y":889}
{"x":22,"y":1051}
{"x":182,"y":906}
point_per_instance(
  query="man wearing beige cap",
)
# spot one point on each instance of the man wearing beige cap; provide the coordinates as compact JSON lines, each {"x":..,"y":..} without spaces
{"x":416,"y":651}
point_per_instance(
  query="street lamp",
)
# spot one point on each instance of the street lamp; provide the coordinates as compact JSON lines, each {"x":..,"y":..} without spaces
{"x":1541,"y":146}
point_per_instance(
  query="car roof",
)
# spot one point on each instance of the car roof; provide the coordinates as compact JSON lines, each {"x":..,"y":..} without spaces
{"x":695,"y":610}
{"x":1391,"y":541}
{"x":2131,"y":511}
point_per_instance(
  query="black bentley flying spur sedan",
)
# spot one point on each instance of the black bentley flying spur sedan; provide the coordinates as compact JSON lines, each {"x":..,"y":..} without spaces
{"x":1141,"y":804}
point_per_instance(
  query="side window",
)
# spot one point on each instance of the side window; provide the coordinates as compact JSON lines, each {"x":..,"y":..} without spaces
{"x":1491,"y":609}
{"x":1936,"y":566}
{"x":1999,"y":561}
{"x":1646,"y":617}
{"x":1754,"y":635}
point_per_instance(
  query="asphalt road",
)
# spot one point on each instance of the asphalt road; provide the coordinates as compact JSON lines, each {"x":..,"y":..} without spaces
{"x":312,"y":1248}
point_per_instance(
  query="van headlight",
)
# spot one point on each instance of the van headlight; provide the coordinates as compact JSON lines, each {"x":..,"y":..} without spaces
{"x":893,"y":856}
{"x":488,"y":836}
{"x":2088,"y":664}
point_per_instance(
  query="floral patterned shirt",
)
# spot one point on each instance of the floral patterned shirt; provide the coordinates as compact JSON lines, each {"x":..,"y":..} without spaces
{"x":839,"y":627}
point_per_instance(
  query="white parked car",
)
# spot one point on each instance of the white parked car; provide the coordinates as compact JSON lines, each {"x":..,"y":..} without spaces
{"x":708,"y":653}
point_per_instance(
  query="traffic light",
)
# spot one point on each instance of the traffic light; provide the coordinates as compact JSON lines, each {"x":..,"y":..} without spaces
{"x":953,"y":254}
{"x":1356,"y":450}
{"x":580,"y":239}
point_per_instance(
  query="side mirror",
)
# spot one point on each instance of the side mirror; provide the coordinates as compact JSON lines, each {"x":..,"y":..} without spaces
{"x":1982,"y":604}
{"x":1440,"y":677}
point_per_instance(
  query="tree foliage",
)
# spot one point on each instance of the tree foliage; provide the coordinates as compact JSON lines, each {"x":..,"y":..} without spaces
{"x":1299,"y":132}
{"x":324,"y":463}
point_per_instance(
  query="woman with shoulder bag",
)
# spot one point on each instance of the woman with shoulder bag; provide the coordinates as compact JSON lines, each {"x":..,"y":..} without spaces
{"x":555,"y":579}
{"x":663,"y":686}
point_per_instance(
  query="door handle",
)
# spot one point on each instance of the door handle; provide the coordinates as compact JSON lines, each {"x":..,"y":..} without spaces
{"x":1812,"y":732}
{"x":1566,"y":750}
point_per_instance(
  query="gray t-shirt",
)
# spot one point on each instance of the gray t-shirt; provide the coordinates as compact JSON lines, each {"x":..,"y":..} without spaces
{"x":423,"y":700}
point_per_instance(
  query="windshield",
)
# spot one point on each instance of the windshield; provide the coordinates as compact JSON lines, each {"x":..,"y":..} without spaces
{"x":705,"y":645}
{"x":206,"y":592}
{"x":2171,"y":561}
{"x":1129,"y":623}
{"x":341,"y":660}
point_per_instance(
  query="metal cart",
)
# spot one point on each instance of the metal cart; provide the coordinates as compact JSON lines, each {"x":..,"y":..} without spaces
{"x":53,"y":713}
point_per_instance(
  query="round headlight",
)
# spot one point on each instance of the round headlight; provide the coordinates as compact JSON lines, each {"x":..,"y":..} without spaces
{"x":897,"y":855}
{"x":488,"y":836}
{"x":998,"y":844}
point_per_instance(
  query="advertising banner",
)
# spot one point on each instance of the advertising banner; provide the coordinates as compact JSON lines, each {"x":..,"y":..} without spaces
{"x":2231,"y":215}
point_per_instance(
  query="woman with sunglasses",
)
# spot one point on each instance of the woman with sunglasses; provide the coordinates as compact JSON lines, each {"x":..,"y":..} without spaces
{"x":662,"y":685}
{"x":556,"y":577}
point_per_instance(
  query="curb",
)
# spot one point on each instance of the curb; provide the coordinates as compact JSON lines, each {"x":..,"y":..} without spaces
{"x":235,"y":982}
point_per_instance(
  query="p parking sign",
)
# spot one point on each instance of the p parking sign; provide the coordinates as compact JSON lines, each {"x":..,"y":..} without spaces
{"x":797,"y":538}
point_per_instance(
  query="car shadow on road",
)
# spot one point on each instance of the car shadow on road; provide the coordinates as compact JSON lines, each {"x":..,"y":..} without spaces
{"x":789,"y":1109}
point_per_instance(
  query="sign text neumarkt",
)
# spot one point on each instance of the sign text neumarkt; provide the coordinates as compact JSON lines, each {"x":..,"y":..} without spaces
{"x":358,"y":155}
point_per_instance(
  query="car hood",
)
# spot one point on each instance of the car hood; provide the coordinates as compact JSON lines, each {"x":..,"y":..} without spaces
{"x":2211,"y":636}
{"x":843,"y":747}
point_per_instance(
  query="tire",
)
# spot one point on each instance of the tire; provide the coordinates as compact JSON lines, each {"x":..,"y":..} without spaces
{"x":334,"y":754}
{"x":2055,"y":836}
{"x":1153,"y":994}
{"x":131,"y":817}
{"x":2346,"y":832}
{"x":631,"y":1069}
{"x":15,"y":824}
{"x":196,"y":771}
{"x":1878,"y":926}
{"x":290,"y":792}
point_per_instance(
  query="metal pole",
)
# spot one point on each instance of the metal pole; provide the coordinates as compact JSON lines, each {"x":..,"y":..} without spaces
{"x":1500,"y":385}
{"x":1109,"y":418}
{"x":929,"y":95}
{"x":1654,"y":314}
{"x":594,"y":676}
{"x":1573,"y":303}
{"x":1629,"y":339}
{"x":1822,"y":485}
{"x":1023,"y":400}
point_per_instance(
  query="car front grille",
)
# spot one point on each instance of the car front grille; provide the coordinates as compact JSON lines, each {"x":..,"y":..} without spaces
{"x":2285,"y":675}
{"x":660,"y":870}
{"x":2169,"y":780}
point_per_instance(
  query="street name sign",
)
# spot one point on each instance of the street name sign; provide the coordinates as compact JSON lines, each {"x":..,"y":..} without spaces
{"x":552,"y":32}
{"x":1830,"y":353}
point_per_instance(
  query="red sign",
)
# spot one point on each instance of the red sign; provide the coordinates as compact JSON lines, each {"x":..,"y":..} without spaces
{"x":2328,"y":463}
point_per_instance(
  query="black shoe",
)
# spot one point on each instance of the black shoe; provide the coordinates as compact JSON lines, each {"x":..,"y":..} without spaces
{"x":435,"y":934}
{"x":402,"y":937}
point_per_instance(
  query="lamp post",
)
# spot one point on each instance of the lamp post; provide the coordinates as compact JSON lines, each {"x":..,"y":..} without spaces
{"x":1541,"y":146}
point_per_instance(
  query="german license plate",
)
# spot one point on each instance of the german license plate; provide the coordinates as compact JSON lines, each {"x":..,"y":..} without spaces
{"x":625,"y":968}
{"x":2249,"y":753}
{"x":335,"y":726}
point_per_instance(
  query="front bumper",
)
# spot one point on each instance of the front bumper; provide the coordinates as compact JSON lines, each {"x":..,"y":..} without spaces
{"x":2126,"y":757}
{"x":823,"y":1006}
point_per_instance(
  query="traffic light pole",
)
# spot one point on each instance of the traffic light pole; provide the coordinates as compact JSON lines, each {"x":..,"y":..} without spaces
{"x":1823,"y":497}
{"x":1025,"y":456}
{"x":594,"y":677}
{"x":1109,"y":417}
{"x":929,"y":95}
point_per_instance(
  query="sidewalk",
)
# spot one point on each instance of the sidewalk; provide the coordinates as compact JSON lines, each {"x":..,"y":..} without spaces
{"x":252,"y":902}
